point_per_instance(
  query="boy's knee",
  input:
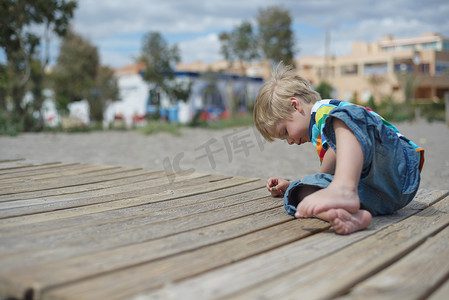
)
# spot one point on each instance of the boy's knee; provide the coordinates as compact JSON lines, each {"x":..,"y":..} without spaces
{"x":299,"y":189}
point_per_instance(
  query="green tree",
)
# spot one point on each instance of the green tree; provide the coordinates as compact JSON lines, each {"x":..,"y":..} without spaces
{"x":78,"y":75}
{"x":37,"y":78}
{"x":3,"y":87}
{"x":275,"y":35}
{"x":105,"y":91}
{"x":240,"y":44}
{"x":325,"y":90}
{"x":181,"y":90}
{"x":408,"y":82}
{"x":160,"y":60}
{"x":371,"y":103}
{"x":18,"y":19}
{"x":76,"y":70}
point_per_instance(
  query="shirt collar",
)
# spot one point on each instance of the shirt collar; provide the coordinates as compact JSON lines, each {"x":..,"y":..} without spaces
{"x":312,"y":117}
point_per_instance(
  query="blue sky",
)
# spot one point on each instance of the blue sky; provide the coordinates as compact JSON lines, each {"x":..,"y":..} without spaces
{"x":116,"y":27}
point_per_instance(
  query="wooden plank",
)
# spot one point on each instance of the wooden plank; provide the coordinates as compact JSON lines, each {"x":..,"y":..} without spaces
{"x":13,"y":186}
{"x":426,"y":198}
{"x":260,"y":270}
{"x":155,"y":274}
{"x":335,"y":274}
{"x":441,"y":293}
{"x":27,"y":207}
{"x":42,"y":170}
{"x":133,"y":183}
{"x":428,"y":263}
{"x":163,"y":247}
{"x":46,"y":168}
{"x":189,"y":191}
{"x":142,"y":183}
{"x":168,"y":210}
{"x":24,"y":165}
{"x":93,"y":191}
{"x":189,"y":234}
{"x":10,"y":160}
{"x":11,"y":165}
{"x":79,"y":189}
{"x":160,"y":177}
{"x":86,"y":172}
{"x":66,"y":182}
{"x":66,"y":243}
{"x":59,"y":182}
{"x":130,"y":229}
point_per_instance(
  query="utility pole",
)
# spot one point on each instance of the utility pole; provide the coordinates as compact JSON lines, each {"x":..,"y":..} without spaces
{"x":446,"y":101}
{"x":326,"y":54}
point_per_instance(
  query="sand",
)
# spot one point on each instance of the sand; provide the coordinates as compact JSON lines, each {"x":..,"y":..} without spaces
{"x":236,"y":152}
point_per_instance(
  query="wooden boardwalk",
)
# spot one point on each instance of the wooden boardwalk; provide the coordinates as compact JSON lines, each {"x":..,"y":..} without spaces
{"x":76,"y":231}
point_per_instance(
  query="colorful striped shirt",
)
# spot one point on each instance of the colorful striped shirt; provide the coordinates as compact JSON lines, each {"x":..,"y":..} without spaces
{"x":319,"y":113}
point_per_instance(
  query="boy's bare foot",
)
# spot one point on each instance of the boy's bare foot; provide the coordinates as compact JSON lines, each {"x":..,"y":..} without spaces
{"x":344,"y":222}
{"x":334,"y":196}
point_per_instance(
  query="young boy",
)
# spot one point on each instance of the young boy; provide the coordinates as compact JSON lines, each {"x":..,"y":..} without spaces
{"x":367,"y":167}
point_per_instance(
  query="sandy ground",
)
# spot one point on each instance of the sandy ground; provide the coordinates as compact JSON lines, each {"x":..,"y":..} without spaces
{"x":237,"y":152}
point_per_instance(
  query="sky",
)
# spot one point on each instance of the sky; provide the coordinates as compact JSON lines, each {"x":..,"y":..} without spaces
{"x":116,"y":27}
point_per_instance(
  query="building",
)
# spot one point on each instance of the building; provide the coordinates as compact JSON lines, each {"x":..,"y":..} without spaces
{"x":381,"y":69}
{"x":213,"y":94}
{"x":251,"y":69}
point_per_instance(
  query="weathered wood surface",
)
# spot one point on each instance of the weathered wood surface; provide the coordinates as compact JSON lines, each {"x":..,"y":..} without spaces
{"x":75,"y":231}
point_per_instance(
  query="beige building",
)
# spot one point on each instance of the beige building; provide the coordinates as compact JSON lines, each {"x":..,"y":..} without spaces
{"x":252,"y":69}
{"x":381,"y":69}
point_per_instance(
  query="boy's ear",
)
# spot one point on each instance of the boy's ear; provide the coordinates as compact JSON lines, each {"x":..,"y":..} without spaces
{"x":296,"y":104}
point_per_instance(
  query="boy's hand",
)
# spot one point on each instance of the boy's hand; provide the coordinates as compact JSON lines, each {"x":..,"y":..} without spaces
{"x":277,"y":186}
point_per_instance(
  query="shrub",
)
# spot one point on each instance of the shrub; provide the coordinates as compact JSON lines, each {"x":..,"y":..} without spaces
{"x":395,"y":112}
{"x":432,"y":111}
{"x":325,"y":90}
{"x":10,"y":124}
{"x":160,"y":126}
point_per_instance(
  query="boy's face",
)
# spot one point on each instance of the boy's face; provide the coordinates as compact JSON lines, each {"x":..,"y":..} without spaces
{"x":295,"y":130}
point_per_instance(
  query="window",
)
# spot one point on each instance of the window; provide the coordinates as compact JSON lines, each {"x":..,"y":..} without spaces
{"x":442,"y":68}
{"x":445,"y":45}
{"x":408,"y":47}
{"x":154,"y":97}
{"x":307,"y":67}
{"x":349,"y":69}
{"x":376,"y":69}
{"x":433,"y":46}
{"x":389,"y":48}
{"x":424,"y":68}
{"x":403,"y":68}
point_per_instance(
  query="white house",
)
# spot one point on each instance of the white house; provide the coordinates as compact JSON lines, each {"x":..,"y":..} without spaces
{"x":209,"y":93}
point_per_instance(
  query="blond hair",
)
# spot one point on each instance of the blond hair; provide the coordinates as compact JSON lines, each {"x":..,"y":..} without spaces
{"x":273,"y":100}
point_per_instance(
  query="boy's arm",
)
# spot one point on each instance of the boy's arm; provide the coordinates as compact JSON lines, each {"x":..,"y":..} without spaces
{"x":329,"y":162}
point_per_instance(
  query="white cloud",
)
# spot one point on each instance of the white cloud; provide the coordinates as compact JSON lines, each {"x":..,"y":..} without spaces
{"x":372,"y":30}
{"x":195,"y":24}
{"x":205,"y":48}
{"x":116,"y":60}
{"x":102,"y":18}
